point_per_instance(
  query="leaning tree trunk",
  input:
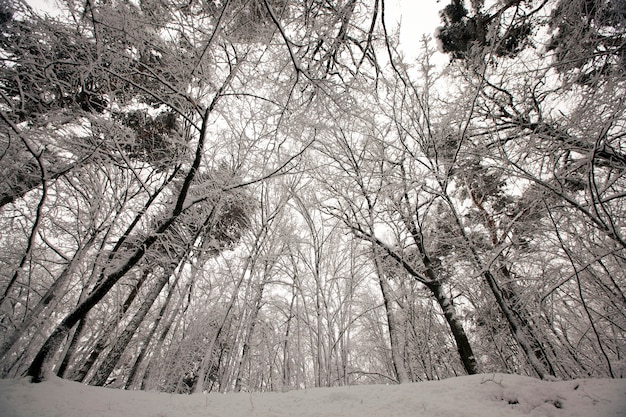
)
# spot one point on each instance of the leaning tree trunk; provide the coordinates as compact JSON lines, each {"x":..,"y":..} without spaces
{"x":179,"y":311}
{"x":207,"y":360}
{"x":257,"y":304}
{"x":507,"y":299}
{"x":533,"y":353}
{"x":37,"y":368}
{"x":50,"y":295}
{"x":396,"y":355}
{"x":76,"y":335}
{"x":148,"y":338}
{"x":523,"y":316}
{"x":432,"y":281}
{"x":70,"y":348}
{"x":111,"y":360}
{"x":456,"y":327}
{"x":101,"y":342}
{"x":535,"y":356}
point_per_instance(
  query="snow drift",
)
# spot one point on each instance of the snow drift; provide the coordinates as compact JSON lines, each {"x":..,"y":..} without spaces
{"x":484,"y":395}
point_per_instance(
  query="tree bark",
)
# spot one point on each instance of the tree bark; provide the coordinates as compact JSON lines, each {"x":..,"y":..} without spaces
{"x":70,"y":349}
{"x":37,"y":369}
{"x":184,"y":302}
{"x":249,"y":333}
{"x":146,"y":343}
{"x":456,"y":327}
{"x":507,"y":299}
{"x":111,"y":360}
{"x":207,"y":360}
{"x":101,"y":342}
{"x":47,"y":298}
{"x":433,"y":282}
{"x":396,"y":355}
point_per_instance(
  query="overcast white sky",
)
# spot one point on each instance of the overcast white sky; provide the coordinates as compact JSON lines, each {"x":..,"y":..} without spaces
{"x":418,"y":17}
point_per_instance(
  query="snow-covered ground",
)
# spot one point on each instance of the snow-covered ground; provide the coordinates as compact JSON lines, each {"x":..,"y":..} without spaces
{"x":479,"y":395}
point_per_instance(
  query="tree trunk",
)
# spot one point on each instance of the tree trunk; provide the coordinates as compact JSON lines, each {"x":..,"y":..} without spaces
{"x":207,"y":360}
{"x":456,"y":326}
{"x":249,"y":333}
{"x":522,"y":316}
{"x":396,"y":355}
{"x":72,"y":346}
{"x":70,"y":349}
{"x":148,"y":338}
{"x":534,"y":354}
{"x":47,"y":298}
{"x":101,"y":343}
{"x":286,"y":356}
{"x":433,"y":282}
{"x":37,"y":368}
{"x":507,"y":299}
{"x":186,"y":296}
{"x":111,"y":360}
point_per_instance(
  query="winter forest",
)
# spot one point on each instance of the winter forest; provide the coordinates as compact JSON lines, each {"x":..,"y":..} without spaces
{"x":267,"y":195}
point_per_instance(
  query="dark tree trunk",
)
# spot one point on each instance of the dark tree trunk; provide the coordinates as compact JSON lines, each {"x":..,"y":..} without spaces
{"x":396,"y":355}
{"x":71,"y":349}
{"x":521,"y":314}
{"x":165,"y":332}
{"x":507,"y":299}
{"x":249,"y":333}
{"x":101,"y":343}
{"x":111,"y":360}
{"x":433,"y":281}
{"x":47,"y":298}
{"x":532,"y":348}
{"x":456,"y":327}
{"x":146,"y":343}
{"x":37,"y":368}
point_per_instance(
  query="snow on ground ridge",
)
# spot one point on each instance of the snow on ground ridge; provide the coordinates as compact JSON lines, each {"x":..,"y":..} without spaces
{"x":488,"y":395}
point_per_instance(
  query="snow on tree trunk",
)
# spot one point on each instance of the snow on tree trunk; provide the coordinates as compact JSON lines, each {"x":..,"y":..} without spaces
{"x":456,"y":327}
{"x":396,"y":355}
{"x":111,"y":360}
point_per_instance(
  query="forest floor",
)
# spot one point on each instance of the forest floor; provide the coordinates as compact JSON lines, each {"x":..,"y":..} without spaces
{"x":487,"y":395}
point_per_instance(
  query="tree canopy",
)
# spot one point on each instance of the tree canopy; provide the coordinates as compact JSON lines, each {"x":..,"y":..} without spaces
{"x":265,"y":195}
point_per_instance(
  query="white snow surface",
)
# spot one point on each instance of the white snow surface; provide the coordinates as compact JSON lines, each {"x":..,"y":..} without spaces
{"x":487,"y":395}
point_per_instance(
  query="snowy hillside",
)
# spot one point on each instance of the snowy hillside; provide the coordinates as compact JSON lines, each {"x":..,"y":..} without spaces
{"x":480,"y":395}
